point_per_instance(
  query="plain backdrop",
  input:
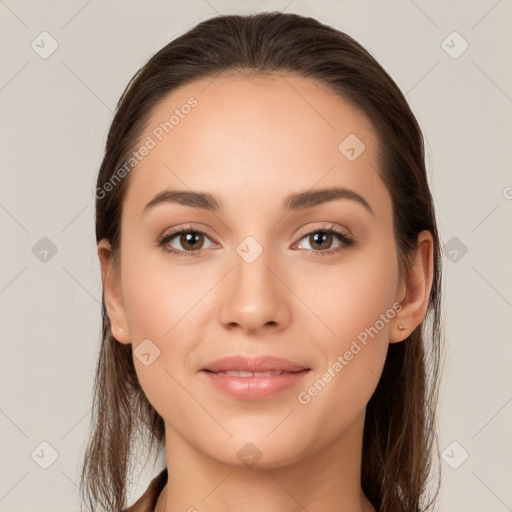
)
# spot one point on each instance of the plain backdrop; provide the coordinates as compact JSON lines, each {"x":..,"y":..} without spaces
{"x":55,"y":113}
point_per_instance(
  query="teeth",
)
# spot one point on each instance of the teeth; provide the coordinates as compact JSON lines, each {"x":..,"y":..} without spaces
{"x":242,"y":373}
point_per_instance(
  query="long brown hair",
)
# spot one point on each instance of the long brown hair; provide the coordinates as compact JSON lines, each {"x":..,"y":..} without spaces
{"x":400,"y":427}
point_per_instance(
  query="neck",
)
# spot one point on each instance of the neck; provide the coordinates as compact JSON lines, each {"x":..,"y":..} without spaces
{"x":328,"y":479}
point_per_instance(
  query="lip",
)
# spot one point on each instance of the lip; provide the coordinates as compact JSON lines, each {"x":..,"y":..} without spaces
{"x":256,"y":387}
{"x":254,"y":364}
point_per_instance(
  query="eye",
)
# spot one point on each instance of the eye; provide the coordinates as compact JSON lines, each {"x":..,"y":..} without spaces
{"x":190,"y":239}
{"x":322,"y":239}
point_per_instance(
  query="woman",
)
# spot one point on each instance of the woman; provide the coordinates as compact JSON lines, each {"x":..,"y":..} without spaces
{"x":270,"y":258}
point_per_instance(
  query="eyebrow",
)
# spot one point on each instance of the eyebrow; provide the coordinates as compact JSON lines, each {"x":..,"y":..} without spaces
{"x":295,"y":201}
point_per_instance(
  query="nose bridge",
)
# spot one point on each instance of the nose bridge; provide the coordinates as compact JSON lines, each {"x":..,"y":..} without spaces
{"x":252,"y":262}
{"x":253,"y":296}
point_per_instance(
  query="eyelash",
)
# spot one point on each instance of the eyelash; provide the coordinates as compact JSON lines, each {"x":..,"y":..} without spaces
{"x":345,"y":239}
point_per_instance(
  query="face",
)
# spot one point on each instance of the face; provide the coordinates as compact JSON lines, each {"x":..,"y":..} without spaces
{"x":262,"y":274}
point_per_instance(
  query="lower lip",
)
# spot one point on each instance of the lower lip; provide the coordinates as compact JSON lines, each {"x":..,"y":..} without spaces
{"x":254,"y":388}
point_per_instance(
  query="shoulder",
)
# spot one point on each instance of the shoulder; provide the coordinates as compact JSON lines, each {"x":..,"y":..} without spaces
{"x":147,"y":502}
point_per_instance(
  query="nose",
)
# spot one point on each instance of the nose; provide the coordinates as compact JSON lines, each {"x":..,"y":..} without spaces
{"x":254,"y":296}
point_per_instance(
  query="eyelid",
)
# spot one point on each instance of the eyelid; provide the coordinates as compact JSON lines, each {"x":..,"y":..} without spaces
{"x":186,"y":227}
{"x":302,"y":232}
{"x":323,"y":227}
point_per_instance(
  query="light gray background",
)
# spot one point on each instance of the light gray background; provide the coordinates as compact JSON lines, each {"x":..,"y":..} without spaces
{"x":55,"y":113}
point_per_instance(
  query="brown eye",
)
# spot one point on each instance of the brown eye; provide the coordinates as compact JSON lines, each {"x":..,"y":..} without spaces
{"x":191,"y":240}
{"x":188,"y":241}
{"x":321,"y":241}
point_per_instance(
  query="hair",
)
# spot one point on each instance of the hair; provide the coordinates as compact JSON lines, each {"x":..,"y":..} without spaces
{"x":400,"y":426}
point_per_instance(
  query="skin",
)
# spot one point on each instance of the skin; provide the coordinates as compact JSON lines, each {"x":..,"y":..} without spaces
{"x":251,"y":142}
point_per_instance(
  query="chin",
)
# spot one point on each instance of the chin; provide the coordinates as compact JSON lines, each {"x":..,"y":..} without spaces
{"x":259,"y":451}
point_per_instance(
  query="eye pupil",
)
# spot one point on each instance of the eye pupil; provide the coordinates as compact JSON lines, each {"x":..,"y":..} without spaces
{"x":323,"y":236}
{"x":187,"y":238}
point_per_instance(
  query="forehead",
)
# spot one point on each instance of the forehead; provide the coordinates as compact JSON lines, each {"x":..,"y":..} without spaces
{"x":264,"y":133}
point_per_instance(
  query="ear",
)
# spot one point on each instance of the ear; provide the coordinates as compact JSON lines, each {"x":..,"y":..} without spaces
{"x":112,"y":293}
{"x":415,"y":289}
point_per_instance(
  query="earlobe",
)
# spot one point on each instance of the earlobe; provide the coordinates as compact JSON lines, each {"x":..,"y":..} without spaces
{"x":418,"y":284}
{"x":112,"y":293}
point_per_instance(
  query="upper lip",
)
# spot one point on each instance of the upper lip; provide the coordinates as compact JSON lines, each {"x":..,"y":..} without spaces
{"x":254,"y":364}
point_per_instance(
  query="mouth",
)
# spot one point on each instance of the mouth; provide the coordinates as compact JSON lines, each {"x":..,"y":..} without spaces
{"x":253,"y":378}
{"x":244,"y":366}
{"x":251,"y":386}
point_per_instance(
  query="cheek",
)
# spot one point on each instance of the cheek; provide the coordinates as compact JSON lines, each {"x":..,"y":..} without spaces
{"x":350,"y":296}
{"x":158,"y":297}
{"x":354,"y":302}
{"x":161,"y":301}
{"x":358,"y":311}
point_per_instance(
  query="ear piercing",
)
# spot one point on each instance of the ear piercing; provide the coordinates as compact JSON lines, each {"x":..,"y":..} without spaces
{"x":401,"y":327}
